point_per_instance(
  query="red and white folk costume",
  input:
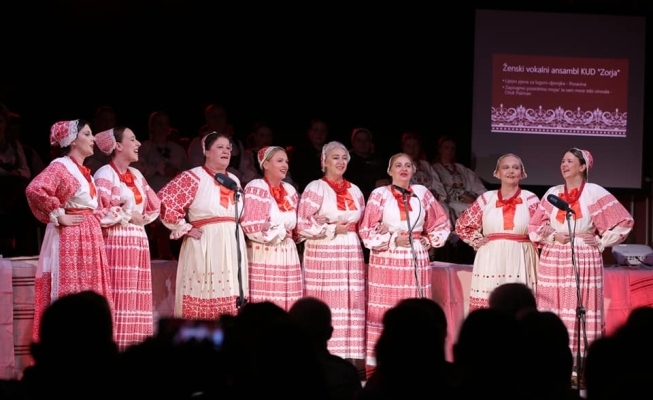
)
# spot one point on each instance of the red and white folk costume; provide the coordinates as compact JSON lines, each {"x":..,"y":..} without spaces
{"x":72,"y":258}
{"x":334,"y":267}
{"x":598,"y":216}
{"x":509,"y":255}
{"x":127,"y":245}
{"x":391,"y":271}
{"x":207,"y":271}
{"x":270,"y":221}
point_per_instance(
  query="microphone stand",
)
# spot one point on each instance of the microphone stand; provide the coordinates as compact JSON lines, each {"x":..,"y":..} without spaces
{"x":412,"y":245}
{"x":240,"y":301}
{"x":581,"y":331}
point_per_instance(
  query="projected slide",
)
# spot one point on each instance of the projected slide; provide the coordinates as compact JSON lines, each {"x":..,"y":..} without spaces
{"x":545,"y":82}
{"x":559,"y":95}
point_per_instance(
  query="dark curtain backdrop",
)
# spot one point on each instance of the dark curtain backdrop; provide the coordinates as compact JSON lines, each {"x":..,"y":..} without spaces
{"x":391,"y":68}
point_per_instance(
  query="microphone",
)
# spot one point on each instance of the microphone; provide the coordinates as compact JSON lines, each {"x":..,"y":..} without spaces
{"x":227,"y":182}
{"x":559,"y":203}
{"x":404,"y":191}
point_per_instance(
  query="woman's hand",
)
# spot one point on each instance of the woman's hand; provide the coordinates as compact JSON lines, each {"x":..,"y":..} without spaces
{"x":137,"y":218}
{"x":70,"y":219}
{"x":266,"y":225}
{"x":382,"y":229}
{"x":195,"y":233}
{"x":425,"y":242}
{"x":561,"y":237}
{"x":403,"y":240}
{"x":591,"y":241}
{"x":480,"y":242}
{"x":342,"y":228}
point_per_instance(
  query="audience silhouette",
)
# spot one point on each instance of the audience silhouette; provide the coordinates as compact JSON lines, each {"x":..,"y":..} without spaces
{"x":313,"y":316}
{"x":76,"y":355}
{"x":510,"y":351}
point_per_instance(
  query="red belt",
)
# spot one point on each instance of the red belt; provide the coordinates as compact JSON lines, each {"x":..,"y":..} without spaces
{"x":78,"y":211}
{"x":508,"y":236}
{"x":213,"y":220}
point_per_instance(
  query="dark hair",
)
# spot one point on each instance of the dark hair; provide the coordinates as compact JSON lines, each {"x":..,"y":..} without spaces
{"x":579,"y":155}
{"x":212,"y":137}
{"x":155,"y":114}
{"x":314,"y":121}
{"x":62,"y":151}
{"x":443,"y":139}
{"x":118,"y":133}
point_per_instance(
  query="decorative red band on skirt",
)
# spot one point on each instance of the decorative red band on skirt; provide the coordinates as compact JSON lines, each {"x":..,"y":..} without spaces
{"x":416,"y":235}
{"x":508,"y":236}
{"x":78,"y":211}
{"x":213,"y":220}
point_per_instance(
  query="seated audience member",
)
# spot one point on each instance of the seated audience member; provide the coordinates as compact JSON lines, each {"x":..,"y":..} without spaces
{"x":366,"y":168}
{"x":313,"y":316}
{"x":512,"y":298}
{"x":410,"y":354}
{"x":76,"y":355}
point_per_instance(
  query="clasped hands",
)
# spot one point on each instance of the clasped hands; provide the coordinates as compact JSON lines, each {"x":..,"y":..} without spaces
{"x":342,"y":227}
{"x":137,"y":218}
{"x":70,"y":219}
{"x":267,"y":225}
{"x":403,"y":240}
{"x":563,"y":238}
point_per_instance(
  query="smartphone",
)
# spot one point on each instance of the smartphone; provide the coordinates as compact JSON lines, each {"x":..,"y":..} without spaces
{"x":179,"y":331}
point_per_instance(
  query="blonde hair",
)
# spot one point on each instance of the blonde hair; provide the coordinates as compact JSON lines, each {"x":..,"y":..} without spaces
{"x":496,"y":169}
{"x":327,"y":148}
{"x":266,"y":153}
{"x":396,"y":156}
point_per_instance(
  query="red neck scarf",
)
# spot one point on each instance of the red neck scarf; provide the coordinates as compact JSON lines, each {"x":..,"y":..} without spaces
{"x":87,"y":174}
{"x":509,"y":207}
{"x":225,"y":194}
{"x":400,"y":201}
{"x":279,"y":195}
{"x":128,"y":179}
{"x":572,"y":199}
{"x":343,"y":197}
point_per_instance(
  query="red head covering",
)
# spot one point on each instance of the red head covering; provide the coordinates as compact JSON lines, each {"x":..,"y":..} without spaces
{"x":265,"y":152}
{"x":63,"y":133}
{"x":106,"y":141}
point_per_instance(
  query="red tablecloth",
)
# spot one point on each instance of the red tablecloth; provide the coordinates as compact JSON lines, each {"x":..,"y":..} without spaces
{"x":17,"y":307}
{"x":624,"y":289}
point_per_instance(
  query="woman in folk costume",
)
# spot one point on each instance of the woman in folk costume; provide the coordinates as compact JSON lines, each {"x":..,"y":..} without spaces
{"x":212,"y":268}
{"x":334,"y":269}
{"x":399,"y":262}
{"x":496,"y":226}
{"x":598,"y":221}
{"x":461,"y":184}
{"x":128,"y":249}
{"x":270,"y":222}
{"x":64,"y":196}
